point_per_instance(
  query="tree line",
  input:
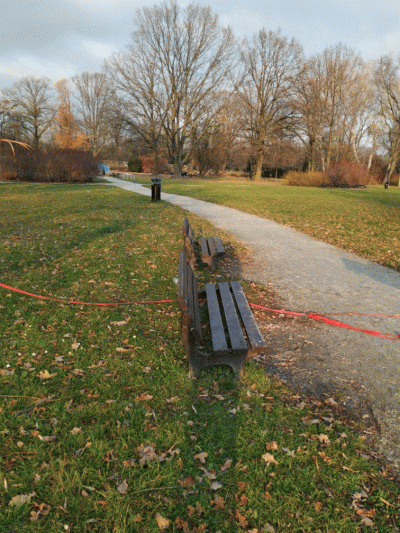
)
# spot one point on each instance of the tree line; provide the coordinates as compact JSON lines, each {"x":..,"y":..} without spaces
{"x":186,"y":88}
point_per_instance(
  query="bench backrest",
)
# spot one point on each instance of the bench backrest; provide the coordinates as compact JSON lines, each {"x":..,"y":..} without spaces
{"x":188,"y":295}
{"x":188,"y":232}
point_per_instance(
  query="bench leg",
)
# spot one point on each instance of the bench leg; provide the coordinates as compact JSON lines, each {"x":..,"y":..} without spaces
{"x":209,"y":260}
{"x":198,"y":361}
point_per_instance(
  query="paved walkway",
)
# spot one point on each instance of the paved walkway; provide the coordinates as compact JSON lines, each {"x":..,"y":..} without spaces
{"x":309,"y":275}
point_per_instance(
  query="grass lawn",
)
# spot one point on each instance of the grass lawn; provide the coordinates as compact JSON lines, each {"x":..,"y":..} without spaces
{"x":101,"y":429}
{"x":363,"y":221}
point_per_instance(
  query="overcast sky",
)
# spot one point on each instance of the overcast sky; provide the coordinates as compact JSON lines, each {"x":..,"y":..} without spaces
{"x":61,"y":38}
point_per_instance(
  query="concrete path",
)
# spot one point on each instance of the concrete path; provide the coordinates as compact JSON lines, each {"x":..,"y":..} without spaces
{"x":309,"y":275}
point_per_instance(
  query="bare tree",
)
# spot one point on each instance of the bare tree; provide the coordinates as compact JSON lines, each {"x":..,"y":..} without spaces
{"x":33,"y":108}
{"x":270,"y":65}
{"x":177,"y":60}
{"x":387,"y":81}
{"x":138,"y":88}
{"x":92,"y":94}
{"x":334,"y":103}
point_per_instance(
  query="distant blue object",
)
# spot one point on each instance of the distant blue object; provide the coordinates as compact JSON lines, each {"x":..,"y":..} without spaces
{"x":103,"y":168}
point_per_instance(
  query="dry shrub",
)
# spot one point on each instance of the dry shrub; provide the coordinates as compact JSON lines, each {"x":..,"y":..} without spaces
{"x":305,"y":179}
{"x":51,"y":165}
{"x":344,"y":173}
{"x":147,"y":164}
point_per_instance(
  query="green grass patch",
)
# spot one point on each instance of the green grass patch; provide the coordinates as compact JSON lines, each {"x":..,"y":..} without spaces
{"x":101,"y":428}
{"x":363,"y":221}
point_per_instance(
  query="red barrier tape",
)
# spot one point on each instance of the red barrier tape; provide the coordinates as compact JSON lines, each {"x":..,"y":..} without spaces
{"x":325,"y":320}
{"x":83,"y":303}
{"x":332,"y":322}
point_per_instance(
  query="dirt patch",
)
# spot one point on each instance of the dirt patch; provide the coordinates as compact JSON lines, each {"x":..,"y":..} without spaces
{"x":301,"y":353}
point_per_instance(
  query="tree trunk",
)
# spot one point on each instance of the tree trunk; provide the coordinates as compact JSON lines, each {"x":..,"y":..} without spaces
{"x":258,"y":169}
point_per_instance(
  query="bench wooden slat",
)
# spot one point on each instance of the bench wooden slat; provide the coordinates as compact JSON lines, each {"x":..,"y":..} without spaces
{"x":188,"y":294}
{"x":204,"y":246}
{"x":238,"y":341}
{"x":253,"y":333}
{"x":219,"y":245}
{"x":217,"y":327}
{"x":211,"y":246}
{"x":196,"y":308}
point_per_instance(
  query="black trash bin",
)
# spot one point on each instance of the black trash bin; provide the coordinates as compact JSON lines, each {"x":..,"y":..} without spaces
{"x":156,"y":189}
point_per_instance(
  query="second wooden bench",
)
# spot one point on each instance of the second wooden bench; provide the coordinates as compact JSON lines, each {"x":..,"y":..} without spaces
{"x":211,"y":247}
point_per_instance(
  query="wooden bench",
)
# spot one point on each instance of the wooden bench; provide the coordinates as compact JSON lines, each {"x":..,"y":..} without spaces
{"x":234,"y":332}
{"x":211,"y":247}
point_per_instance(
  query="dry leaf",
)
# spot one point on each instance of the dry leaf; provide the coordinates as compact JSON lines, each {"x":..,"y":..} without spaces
{"x":187,"y":482}
{"x":122,"y":487}
{"x":226,"y":465}
{"x":20,"y":499}
{"x":218,"y":502}
{"x":241,"y":519}
{"x":268,"y":458}
{"x":243,"y":499}
{"x":75,"y":345}
{"x":75,"y":431}
{"x":143,"y":397}
{"x":272,"y":446}
{"x":268,"y":528}
{"x":45,"y":374}
{"x":215,"y":485}
{"x":324,"y":439}
{"x":162,"y":522}
{"x":201,"y":456}
{"x":367,"y":522}
{"x":318,"y":506}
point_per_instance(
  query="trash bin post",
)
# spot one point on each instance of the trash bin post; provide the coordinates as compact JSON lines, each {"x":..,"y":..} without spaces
{"x":156,"y":189}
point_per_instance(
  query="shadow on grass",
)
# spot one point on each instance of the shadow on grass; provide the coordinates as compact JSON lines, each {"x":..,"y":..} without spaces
{"x":212,"y":449}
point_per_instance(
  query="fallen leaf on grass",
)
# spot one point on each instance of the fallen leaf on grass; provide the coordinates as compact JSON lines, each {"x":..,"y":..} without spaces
{"x":75,"y":431}
{"x":215,"y":485}
{"x":20,"y":499}
{"x":41,"y":510}
{"x":146,"y":453}
{"x":241,"y":519}
{"x":218,"y":502}
{"x":75,"y":345}
{"x":143,"y":397}
{"x":162,"y":522}
{"x":44,"y":374}
{"x":324,"y":439}
{"x":201,"y":457}
{"x":121,"y":322}
{"x":198,"y":509}
{"x":243,"y":500}
{"x":173,"y":399}
{"x":6,"y":372}
{"x":272,"y":446}
{"x":187,"y":482}
{"x":268,"y":458}
{"x":181,"y":524}
{"x":226,"y":465}
{"x":318,"y":507}
{"x":122,"y":487}
{"x":46,"y":438}
{"x":367,"y":522}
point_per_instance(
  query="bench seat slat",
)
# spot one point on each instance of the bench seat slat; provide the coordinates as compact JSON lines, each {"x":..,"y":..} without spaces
{"x":217,"y":327}
{"x":211,"y":246}
{"x":238,"y":341}
{"x":219,"y":245}
{"x":253,"y":333}
{"x":204,"y":247}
